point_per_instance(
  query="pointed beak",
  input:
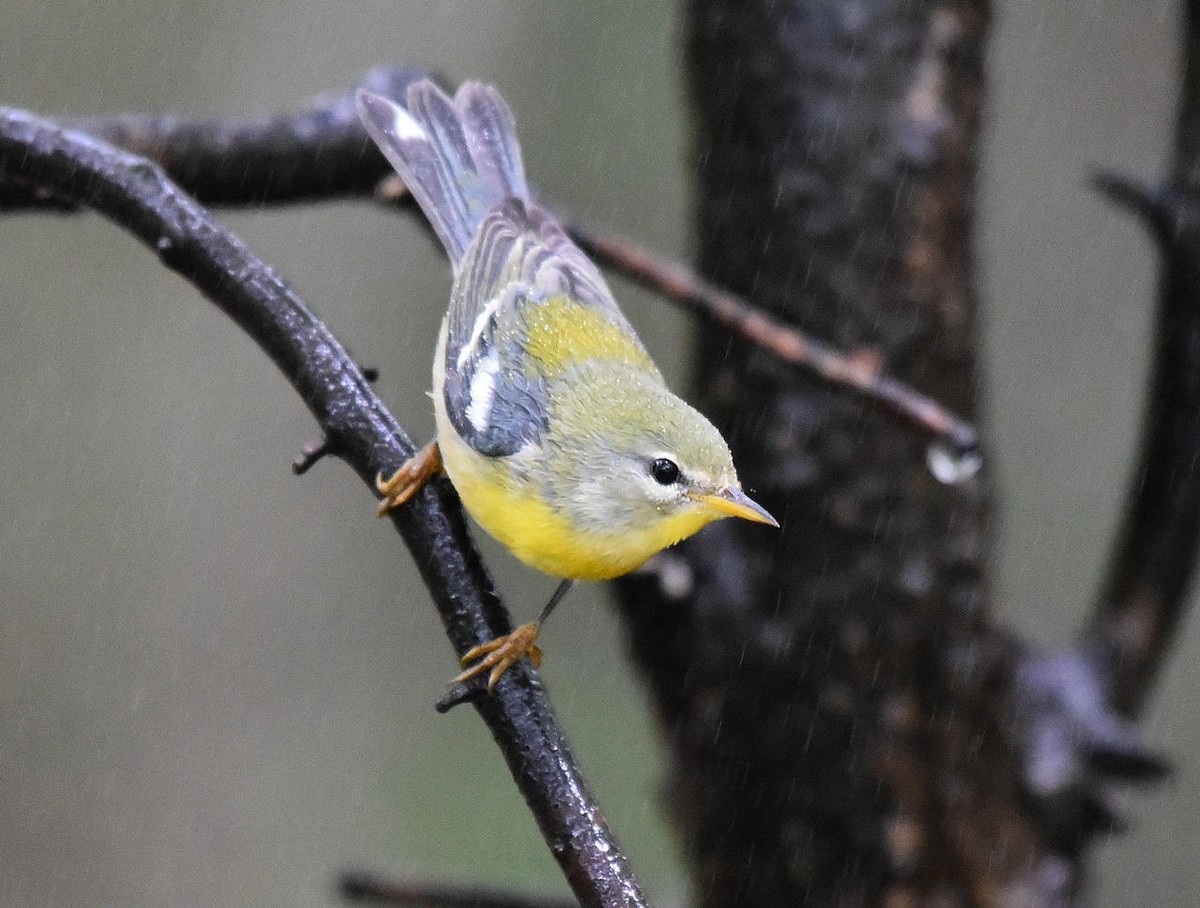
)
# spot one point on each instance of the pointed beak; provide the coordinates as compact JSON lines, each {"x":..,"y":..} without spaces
{"x":733,"y":502}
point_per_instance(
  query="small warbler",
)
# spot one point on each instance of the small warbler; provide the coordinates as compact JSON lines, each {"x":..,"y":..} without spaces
{"x":553,"y":424}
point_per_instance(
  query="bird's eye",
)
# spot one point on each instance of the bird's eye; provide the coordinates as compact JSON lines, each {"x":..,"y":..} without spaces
{"x":664,"y":471}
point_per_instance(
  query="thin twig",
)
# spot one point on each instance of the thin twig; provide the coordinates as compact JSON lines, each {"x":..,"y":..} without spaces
{"x":135,"y":194}
{"x":859,"y":372}
{"x":1154,"y":203}
{"x":308,"y":457}
{"x":323,"y":153}
{"x":1154,"y":560}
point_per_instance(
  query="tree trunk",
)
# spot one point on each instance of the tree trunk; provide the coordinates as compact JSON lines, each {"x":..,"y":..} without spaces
{"x":837,"y":697}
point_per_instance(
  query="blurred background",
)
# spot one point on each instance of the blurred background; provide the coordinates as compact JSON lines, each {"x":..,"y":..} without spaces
{"x":216,"y":679}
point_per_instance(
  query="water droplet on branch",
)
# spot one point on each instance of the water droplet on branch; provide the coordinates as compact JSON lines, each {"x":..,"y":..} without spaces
{"x":950,"y":465}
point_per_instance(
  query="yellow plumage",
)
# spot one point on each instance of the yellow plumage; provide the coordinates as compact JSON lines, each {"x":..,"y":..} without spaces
{"x":564,"y":333}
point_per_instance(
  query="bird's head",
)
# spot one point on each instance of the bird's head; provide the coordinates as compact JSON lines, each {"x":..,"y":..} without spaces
{"x":658,"y":471}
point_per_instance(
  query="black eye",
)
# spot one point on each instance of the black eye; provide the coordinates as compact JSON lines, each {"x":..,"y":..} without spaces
{"x":664,"y":471}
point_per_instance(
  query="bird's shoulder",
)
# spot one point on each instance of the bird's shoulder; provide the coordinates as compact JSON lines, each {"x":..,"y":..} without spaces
{"x":520,"y":244}
{"x":528,"y":308}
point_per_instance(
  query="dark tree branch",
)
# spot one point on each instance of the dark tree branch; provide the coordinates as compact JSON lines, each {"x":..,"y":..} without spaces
{"x":323,"y":153}
{"x":318,"y":154}
{"x":1156,"y":205}
{"x":136,"y":195}
{"x":1154,"y":559}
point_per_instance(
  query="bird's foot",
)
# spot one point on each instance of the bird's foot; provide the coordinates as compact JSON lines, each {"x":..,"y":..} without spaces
{"x":408,"y":480}
{"x":501,"y":654}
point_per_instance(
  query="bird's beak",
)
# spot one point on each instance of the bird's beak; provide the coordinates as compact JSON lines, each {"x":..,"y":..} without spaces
{"x":733,"y":502}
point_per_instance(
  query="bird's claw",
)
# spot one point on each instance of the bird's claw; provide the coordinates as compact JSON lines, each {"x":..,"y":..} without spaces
{"x":409,"y":479}
{"x":501,"y":654}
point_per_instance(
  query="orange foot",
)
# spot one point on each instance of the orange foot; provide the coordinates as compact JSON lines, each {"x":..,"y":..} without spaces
{"x":408,"y":480}
{"x":502,"y":654}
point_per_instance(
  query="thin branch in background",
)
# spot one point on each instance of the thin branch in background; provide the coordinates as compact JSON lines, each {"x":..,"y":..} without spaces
{"x":135,"y":194}
{"x":860,"y":372}
{"x":318,"y":154}
{"x":1154,"y":560}
{"x":1155,"y":204}
{"x":324,"y":153}
{"x":366,"y":887}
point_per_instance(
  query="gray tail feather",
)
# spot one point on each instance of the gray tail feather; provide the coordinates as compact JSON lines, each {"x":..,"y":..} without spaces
{"x":459,"y":158}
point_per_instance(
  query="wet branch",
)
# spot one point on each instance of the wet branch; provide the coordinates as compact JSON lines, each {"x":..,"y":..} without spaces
{"x":134,"y":193}
{"x":1154,"y":559}
{"x":318,"y":154}
{"x":860,"y":371}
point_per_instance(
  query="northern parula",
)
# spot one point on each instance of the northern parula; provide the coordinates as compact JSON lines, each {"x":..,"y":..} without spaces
{"x":553,"y":423}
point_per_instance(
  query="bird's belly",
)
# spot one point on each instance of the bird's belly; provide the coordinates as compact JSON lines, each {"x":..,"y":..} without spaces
{"x":531,"y":529}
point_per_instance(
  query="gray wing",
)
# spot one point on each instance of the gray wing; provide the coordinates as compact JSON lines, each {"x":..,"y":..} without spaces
{"x":520,"y":257}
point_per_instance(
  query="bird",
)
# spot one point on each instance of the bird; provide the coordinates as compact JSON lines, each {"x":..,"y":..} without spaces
{"x":553,"y":424}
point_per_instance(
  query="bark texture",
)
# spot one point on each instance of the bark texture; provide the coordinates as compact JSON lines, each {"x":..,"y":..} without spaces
{"x":837,"y":697}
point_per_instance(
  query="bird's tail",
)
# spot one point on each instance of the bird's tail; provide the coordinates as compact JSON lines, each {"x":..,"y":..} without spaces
{"x":458,"y":157}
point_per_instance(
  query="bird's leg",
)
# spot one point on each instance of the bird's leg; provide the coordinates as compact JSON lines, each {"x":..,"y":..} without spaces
{"x":408,"y":480}
{"x":503,"y":653}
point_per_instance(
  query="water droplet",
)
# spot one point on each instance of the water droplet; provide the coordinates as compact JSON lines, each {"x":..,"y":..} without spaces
{"x":949,"y":465}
